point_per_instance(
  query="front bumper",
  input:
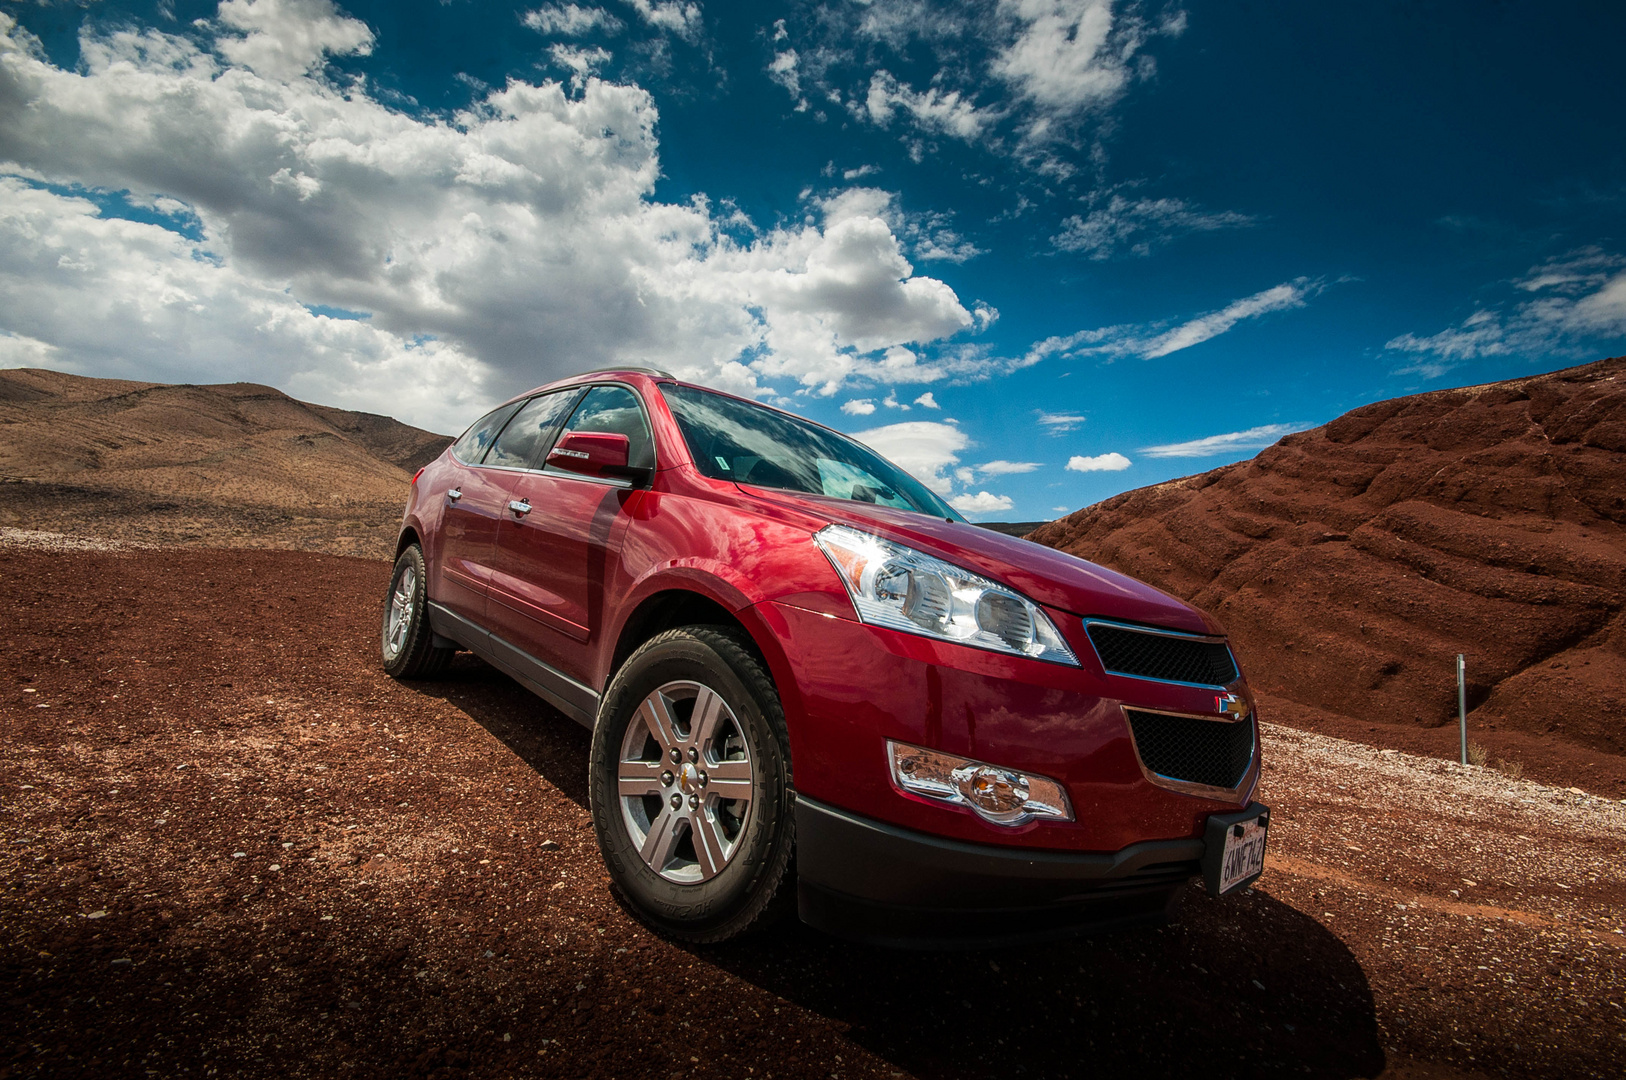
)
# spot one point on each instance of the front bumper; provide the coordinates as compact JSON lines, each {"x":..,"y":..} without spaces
{"x":867,"y":880}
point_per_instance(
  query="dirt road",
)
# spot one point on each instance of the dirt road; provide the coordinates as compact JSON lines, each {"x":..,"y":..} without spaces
{"x":230,"y":846}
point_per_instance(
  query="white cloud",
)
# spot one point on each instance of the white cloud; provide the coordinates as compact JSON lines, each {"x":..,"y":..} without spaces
{"x":285,"y":39}
{"x":127,"y":299}
{"x":922,"y":448}
{"x":527,"y":218}
{"x":934,"y":109}
{"x":582,"y":62}
{"x":1140,"y":226}
{"x":1064,"y":56}
{"x":927,"y":401}
{"x":858,"y":407}
{"x":981,"y":503}
{"x":1212,"y":445}
{"x":1580,"y":298}
{"x":782,"y":70}
{"x":1150,"y":342}
{"x":1059,"y":423}
{"x":1281,"y":297}
{"x":570,"y":20}
{"x":682,"y":19}
{"x":929,"y":234}
{"x":1113,"y":462}
{"x":859,"y":173}
{"x":892,"y":402}
{"x":1061,"y":509}
{"x":1006,"y":468}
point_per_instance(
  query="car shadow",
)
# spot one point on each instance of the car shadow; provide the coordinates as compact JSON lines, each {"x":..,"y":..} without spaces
{"x":547,"y":740}
{"x":1243,"y":985}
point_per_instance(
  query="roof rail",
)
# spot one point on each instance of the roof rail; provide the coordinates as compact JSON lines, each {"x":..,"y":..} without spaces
{"x":626,"y":367}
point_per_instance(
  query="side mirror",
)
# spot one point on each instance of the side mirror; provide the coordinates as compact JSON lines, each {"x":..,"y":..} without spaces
{"x":596,"y":453}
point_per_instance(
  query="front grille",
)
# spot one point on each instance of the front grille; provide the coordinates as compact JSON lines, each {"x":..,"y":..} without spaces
{"x":1149,"y":655}
{"x":1215,"y":753}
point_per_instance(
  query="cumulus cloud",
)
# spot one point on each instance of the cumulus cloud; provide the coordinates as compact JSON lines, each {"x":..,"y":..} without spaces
{"x":1578,"y":298}
{"x":1256,"y":438}
{"x":286,"y":39}
{"x":570,"y":20}
{"x":1149,"y":342}
{"x":782,"y":70}
{"x":858,"y":407}
{"x":927,"y":401}
{"x":672,"y":16}
{"x":516,"y":241}
{"x":930,"y":235}
{"x":1140,"y":226}
{"x":116,"y":298}
{"x":925,"y":449}
{"x":1113,"y":462}
{"x":581,"y":62}
{"x":1064,"y":62}
{"x":981,"y":503}
{"x":933,"y":109}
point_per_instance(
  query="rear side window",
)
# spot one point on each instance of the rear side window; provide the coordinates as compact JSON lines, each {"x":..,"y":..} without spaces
{"x":471,"y":448}
{"x":531,"y":429}
{"x":615,"y":409}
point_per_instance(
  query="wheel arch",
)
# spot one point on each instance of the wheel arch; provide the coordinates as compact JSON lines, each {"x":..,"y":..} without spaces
{"x":683,"y":604}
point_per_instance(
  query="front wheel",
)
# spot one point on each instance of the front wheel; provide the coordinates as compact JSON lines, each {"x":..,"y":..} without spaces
{"x":407,"y":643}
{"x":689,"y":784}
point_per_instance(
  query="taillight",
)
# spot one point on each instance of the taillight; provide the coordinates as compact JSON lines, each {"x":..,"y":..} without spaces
{"x":418,"y":474}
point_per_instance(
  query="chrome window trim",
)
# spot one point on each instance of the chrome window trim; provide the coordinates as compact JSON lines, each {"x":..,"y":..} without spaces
{"x":1212,"y":639}
{"x":1250,"y":775}
{"x":615,"y":482}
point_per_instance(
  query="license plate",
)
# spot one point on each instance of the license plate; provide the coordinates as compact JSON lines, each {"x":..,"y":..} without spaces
{"x":1236,"y":849}
{"x":1244,"y":856}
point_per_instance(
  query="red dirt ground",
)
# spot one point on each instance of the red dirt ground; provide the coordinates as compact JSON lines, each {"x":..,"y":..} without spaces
{"x":1352,"y":563}
{"x":232,"y":847}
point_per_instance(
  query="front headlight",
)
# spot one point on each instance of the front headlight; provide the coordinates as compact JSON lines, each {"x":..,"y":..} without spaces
{"x":903,"y":589}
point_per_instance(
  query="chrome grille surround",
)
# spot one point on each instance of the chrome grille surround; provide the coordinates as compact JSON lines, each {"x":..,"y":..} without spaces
{"x":1227,"y":738}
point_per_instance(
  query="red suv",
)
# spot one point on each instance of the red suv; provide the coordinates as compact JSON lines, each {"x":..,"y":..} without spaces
{"x":798,"y":662}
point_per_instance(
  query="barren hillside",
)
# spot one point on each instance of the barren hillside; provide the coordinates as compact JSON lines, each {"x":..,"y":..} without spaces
{"x":238,"y":462}
{"x":1351,"y":563}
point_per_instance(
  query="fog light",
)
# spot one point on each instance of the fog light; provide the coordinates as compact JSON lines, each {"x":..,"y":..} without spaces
{"x":1002,"y":796}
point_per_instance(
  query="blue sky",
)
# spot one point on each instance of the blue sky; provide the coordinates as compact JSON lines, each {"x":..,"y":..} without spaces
{"x":1038,"y":251}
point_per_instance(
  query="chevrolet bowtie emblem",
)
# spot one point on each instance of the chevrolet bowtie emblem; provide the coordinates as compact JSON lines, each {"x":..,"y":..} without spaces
{"x":1230,"y":705}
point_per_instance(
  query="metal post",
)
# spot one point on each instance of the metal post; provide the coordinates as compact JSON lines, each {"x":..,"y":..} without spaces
{"x":1462,"y":705}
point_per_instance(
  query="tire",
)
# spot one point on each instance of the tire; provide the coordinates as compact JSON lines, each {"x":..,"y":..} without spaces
{"x":707,"y":869}
{"x":405,"y":639}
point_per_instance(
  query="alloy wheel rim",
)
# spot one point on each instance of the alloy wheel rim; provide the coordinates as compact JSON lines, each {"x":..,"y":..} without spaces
{"x":399,"y":617}
{"x":684,"y":780}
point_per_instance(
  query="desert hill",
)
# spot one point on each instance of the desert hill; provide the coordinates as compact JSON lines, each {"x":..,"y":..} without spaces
{"x":232,"y":462}
{"x":1353,"y":562}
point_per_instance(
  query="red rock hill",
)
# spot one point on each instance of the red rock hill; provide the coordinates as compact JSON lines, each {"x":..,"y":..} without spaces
{"x":1351,"y":563}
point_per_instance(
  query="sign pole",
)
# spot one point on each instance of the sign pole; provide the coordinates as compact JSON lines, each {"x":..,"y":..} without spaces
{"x":1462,"y":705}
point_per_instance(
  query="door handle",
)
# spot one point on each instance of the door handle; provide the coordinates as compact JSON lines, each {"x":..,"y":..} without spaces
{"x":519,"y":507}
{"x":455,"y":494}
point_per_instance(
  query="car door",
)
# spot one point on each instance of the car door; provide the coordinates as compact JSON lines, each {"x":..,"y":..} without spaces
{"x":475,"y":502}
{"x":560,"y":542}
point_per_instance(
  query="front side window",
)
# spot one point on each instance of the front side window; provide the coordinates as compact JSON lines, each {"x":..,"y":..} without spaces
{"x":531,"y":430}
{"x":730,"y":439}
{"x":615,"y":409}
{"x":471,"y":448}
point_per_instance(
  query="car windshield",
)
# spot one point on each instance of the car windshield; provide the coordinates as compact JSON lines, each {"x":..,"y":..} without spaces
{"x":731,"y":439}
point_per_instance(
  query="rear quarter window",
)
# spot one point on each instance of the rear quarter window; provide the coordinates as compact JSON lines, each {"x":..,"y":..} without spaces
{"x":472,"y":447}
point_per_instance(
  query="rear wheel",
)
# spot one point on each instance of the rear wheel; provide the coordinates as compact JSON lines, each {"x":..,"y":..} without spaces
{"x":690,"y":784}
{"x":407,"y":643}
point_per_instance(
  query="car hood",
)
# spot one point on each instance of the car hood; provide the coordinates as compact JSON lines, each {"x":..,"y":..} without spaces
{"x":1051,"y":577}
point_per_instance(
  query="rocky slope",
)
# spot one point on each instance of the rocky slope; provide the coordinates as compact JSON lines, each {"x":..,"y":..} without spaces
{"x":1353,"y":562}
{"x":234,"y":462}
